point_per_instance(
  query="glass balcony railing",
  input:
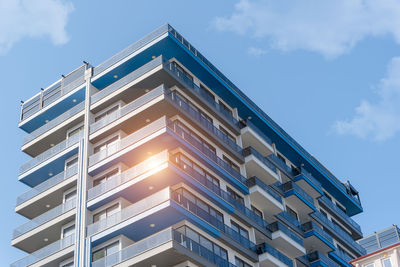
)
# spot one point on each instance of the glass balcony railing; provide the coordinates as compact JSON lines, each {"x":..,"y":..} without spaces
{"x":277,"y":226}
{"x":45,"y":251}
{"x":338,"y":232}
{"x":265,"y":160}
{"x":344,"y":256}
{"x":289,"y":220}
{"x":340,"y":213}
{"x":311,"y":178}
{"x":53,"y":123}
{"x":291,"y":186}
{"x":317,"y":256}
{"x":135,"y":104}
{"x":249,"y":124}
{"x":40,"y":188}
{"x":200,"y":93}
{"x":155,"y":241}
{"x":44,"y":218}
{"x":208,"y":126}
{"x":281,"y":165}
{"x":253,"y":181}
{"x":50,"y":152}
{"x":200,"y":212}
{"x":311,"y":226}
{"x":266,"y":248}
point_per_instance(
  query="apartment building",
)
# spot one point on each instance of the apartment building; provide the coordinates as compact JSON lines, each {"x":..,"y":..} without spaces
{"x":382,"y":248}
{"x":155,"y":158}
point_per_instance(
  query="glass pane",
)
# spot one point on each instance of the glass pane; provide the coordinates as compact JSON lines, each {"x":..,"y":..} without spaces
{"x":387,"y":263}
{"x":112,"y":248}
{"x":68,"y":231}
{"x":99,"y":254}
{"x":192,"y":234}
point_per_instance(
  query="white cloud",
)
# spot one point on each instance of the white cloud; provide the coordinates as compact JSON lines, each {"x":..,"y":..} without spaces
{"x":28,"y":18}
{"x":255,"y":51}
{"x":331,"y":28}
{"x":379,"y":120}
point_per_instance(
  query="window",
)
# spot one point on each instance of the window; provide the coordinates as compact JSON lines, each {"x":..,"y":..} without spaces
{"x":106,"y":113}
{"x":370,"y":265}
{"x":184,"y":132}
{"x":182,"y":73}
{"x":257,"y":211}
{"x":74,"y":131}
{"x":240,"y":230}
{"x":106,"y":213}
{"x":225,"y":107}
{"x":71,"y":162}
{"x":241,"y":263}
{"x":106,"y":177}
{"x":105,"y":251}
{"x":106,"y":144}
{"x":386,"y":262}
{"x":292,"y":213}
{"x":69,"y":194}
{"x":230,"y":163}
{"x":231,"y":137}
{"x":235,"y":195}
{"x":207,"y":92}
{"x":67,"y":230}
{"x":69,"y":264}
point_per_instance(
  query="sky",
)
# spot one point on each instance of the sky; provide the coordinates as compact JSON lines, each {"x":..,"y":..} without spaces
{"x":328,"y":72}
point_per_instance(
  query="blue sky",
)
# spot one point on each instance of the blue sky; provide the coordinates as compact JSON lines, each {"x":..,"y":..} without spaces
{"x":327,"y":73}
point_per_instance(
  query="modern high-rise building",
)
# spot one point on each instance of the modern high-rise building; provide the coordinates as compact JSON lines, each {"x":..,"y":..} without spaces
{"x":155,"y":158}
{"x":382,"y":248}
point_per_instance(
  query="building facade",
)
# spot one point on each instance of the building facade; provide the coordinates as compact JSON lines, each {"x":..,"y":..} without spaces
{"x":382,"y":248}
{"x":155,"y":158}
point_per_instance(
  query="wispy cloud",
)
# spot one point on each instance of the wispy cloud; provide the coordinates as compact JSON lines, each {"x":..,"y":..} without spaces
{"x":379,"y":120}
{"x":256,"y":51}
{"x":330,"y":28}
{"x":26,"y":18}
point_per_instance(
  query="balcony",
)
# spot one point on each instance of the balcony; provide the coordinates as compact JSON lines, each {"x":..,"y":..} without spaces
{"x":338,"y":233}
{"x":285,"y":239}
{"x":59,"y":250}
{"x":290,"y":221}
{"x":264,"y":197}
{"x":177,"y":248}
{"x":269,"y":256}
{"x":317,"y":259}
{"x":306,"y":181}
{"x":315,"y":237}
{"x":29,"y":236}
{"x":341,"y":216}
{"x":298,"y":198}
{"x":32,"y":202}
{"x":341,"y":258}
{"x":32,"y":172}
{"x":279,"y":164}
{"x":257,"y":165}
{"x":254,"y":137}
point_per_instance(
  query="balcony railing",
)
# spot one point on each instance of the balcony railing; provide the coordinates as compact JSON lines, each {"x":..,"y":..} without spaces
{"x":44,"y":218}
{"x":208,"y":126}
{"x":200,"y":93}
{"x":55,"y":92}
{"x":135,"y":104}
{"x":344,"y":256}
{"x":40,"y":188}
{"x":266,"y":248}
{"x":251,"y":151}
{"x":339,"y":232}
{"x":223,"y":194}
{"x":253,"y":181}
{"x":53,"y":123}
{"x":277,"y":226}
{"x":318,"y":256}
{"x":50,"y":152}
{"x":327,"y":202}
{"x":292,"y":222}
{"x":45,"y":251}
{"x":157,"y":240}
{"x":311,"y":178}
{"x":311,"y":226}
{"x":249,"y":124}
{"x":200,"y":212}
{"x":289,"y":186}
{"x":281,"y":165}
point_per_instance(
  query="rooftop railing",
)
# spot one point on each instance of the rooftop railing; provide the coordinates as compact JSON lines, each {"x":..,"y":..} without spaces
{"x":45,"y":251}
{"x":266,"y":248}
{"x":277,"y":226}
{"x":327,"y":202}
{"x":50,"y":152}
{"x":253,"y":181}
{"x":40,"y":188}
{"x":53,"y":123}
{"x":339,"y":232}
{"x":265,"y":160}
{"x":44,"y":218}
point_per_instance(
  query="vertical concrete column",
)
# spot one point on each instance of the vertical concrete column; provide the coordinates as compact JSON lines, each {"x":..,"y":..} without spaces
{"x":81,"y":247}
